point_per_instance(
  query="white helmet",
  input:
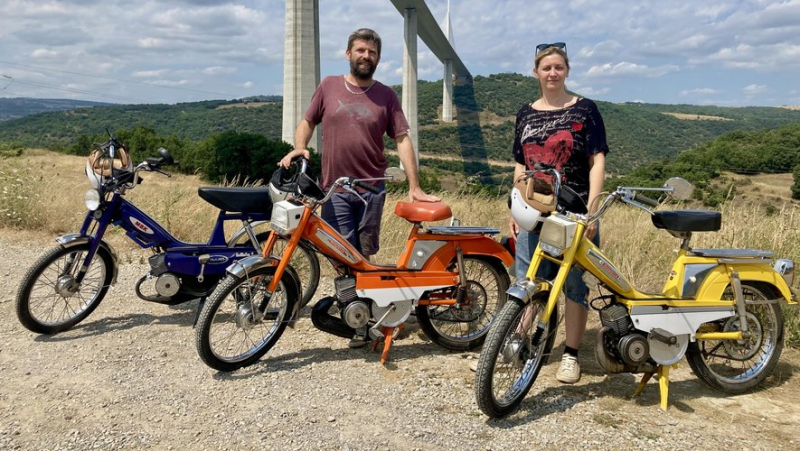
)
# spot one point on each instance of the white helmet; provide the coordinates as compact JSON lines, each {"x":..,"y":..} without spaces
{"x":524,"y":215}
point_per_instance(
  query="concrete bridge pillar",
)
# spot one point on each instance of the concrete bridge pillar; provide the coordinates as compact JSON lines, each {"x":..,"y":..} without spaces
{"x":409,"y":99}
{"x":301,"y":73}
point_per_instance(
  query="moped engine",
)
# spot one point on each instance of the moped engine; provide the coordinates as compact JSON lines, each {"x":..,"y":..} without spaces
{"x":355,"y":312}
{"x":620,"y":347}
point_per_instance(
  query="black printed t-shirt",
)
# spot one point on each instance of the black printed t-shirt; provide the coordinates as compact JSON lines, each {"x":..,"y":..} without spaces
{"x":564,"y":138}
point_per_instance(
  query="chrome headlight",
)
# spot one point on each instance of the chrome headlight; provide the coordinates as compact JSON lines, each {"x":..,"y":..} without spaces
{"x":785,"y":268}
{"x":557,"y":234}
{"x":286,"y":216}
{"x":92,"y":199}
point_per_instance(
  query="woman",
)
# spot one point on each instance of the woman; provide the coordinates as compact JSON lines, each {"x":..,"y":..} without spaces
{"x":567,"y":131}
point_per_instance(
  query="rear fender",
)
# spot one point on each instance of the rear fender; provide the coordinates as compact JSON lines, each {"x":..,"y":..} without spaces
{"x":75,"y":239}
{"x":715,"y":283}
{"x":473,"y":246}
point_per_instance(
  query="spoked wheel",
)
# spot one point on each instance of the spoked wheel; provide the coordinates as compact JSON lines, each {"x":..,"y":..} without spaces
{"x":512,"y":356}
{"x":232,"y":332}
{"x":464,"y":326}
{"x":735,"y":366}
{"x":50,"y":300}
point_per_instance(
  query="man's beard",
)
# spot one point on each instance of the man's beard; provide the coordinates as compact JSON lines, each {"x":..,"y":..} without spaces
{"x":362,"y":73}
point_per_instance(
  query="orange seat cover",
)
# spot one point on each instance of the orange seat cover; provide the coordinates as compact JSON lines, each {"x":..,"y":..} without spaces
{"x":423,"y":211}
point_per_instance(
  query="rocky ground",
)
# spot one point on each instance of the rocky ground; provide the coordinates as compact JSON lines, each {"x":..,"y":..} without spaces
{"x":129,"y":377}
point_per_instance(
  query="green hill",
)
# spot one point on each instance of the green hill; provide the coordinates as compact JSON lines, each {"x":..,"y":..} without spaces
{"x":16,"y":107}
{"x":638,"y":134}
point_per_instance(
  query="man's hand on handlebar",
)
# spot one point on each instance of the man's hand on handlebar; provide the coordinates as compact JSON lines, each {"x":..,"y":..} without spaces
{"x":286,"y":161}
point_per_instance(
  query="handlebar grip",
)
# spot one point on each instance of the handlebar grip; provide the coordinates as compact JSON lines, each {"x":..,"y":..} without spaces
{"x":367,"y":186}
{"x":642,"y":199}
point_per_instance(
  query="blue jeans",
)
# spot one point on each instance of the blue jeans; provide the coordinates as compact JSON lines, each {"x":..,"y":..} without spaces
{"x":358,"y":224}
{"x":575,"y":288}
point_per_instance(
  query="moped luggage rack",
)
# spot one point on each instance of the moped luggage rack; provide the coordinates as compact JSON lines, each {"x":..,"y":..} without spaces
{"x":734,"y":253}
{"x":463,"y":230}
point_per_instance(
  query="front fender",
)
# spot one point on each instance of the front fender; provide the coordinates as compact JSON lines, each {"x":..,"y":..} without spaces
{"x":249,"y":264}
{"x":526,"y":289}
{"x":243,"y":267}
{"x":74,"y":239}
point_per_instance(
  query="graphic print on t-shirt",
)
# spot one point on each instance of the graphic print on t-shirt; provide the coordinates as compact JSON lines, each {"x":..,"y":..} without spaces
{"x":555,"y":152}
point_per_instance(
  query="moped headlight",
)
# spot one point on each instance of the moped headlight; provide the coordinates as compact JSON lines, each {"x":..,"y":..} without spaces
{"x":557,"y":234}
{"x":92,"y":199}
{"x":285,"y":217}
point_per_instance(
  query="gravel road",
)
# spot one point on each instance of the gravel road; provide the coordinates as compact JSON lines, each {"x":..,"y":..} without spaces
{"x":128,"y":377}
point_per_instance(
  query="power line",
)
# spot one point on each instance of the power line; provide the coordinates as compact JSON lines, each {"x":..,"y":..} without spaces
{"x":73,"y":90}
{"x":115,"y":79}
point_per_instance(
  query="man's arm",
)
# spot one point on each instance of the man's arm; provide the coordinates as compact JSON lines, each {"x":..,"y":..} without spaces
{"x":301,"y":138}
{"x":405,"y":150}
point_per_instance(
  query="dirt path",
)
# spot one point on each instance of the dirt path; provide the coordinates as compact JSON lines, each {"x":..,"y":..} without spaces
{"x":129,"y":378}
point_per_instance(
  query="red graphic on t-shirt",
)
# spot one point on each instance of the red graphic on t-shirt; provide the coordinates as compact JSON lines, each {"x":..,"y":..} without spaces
{"x":577,"y":126}
{"x":555,"y":152}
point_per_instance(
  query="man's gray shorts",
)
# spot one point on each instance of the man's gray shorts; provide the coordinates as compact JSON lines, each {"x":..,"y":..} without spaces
{"x":359,"y":224}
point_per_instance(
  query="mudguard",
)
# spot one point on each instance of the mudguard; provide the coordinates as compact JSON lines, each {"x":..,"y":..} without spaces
{"x":715,"y":282}
{"x":444,"y":253}
{"x":525,"y":289}
{"x":241,"y":268}
{"x":74,"y":239}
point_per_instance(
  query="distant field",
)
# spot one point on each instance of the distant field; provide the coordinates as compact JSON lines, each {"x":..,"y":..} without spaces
{"x":697,"y":117}
{"x":790,"y":107}
{"x":764,"y":185}
{"x":242,"y":105}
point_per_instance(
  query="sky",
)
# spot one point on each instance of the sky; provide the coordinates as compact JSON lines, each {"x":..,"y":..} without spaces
{"x":713,"y":52}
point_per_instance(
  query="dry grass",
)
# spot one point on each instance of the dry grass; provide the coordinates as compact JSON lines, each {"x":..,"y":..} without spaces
{"x":44,"y":191}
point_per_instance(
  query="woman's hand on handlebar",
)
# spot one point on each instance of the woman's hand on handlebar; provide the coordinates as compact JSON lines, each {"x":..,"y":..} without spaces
{"x":286,"y":161}
{"x":591,"y":231}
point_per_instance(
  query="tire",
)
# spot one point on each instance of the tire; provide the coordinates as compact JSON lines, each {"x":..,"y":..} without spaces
{"x":305,"y":263}
{"x":226,"y":336}
{"x":464,"y":327}
{"x":47,"y":304}
{"x":734,"y":367}
{"x":509,"y":364}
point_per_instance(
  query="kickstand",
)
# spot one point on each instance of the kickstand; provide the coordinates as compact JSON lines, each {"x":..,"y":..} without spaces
{"x":389,"y":334}
{"x":662,"y":374}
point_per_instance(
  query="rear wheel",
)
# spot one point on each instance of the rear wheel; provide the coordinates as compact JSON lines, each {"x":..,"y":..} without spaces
{"x":464,"y":326}
{"x":735,"y":366}
{"x":513,"y":355}
{"x":50,"y":300}
{"x":231,"y":332}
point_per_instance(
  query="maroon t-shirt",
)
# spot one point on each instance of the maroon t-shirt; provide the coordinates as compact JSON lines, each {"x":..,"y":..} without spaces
{"x":353,"y":126}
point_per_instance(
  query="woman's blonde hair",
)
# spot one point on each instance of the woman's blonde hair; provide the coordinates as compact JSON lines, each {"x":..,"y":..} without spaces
{"x":550,"y":51}
{"x":547,"y":52}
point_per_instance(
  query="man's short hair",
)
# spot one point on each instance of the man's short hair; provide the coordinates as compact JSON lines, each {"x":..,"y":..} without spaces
{"x":364,"y":34}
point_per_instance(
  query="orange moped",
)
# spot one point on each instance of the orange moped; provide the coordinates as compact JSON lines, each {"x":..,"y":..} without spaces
{"x":454,"y":278}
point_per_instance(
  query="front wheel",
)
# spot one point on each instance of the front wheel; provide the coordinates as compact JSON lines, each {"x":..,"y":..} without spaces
{"x":304,"y":261}
{"x":232,"y":331}
{"x":735,"y":366}
{"x":514,"y":353}
{"x":464,"y":326}
{"x":50,"y":300}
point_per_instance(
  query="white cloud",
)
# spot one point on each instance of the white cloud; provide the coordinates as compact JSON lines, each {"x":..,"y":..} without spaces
{"x":219,"y":70}
{"x":247,"y":84}
{"x":700,"y":91}
{"x":754,"y":89}
{"x":149,"y":73}
{"x":43,"y":53}
{"x":629,"y":69}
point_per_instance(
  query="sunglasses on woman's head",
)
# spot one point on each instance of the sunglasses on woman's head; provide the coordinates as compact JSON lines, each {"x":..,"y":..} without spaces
{"x":558,"y":45}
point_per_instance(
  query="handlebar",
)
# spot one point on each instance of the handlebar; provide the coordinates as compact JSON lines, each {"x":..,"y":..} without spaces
{"x":367,"y":186}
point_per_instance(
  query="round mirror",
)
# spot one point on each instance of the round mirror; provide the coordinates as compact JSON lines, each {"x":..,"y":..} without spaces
{"x":681,"y":188}
{"x":397,"y":175}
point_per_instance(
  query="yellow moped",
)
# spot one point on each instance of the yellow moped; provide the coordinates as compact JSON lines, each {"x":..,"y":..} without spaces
{"x":719,"y":307}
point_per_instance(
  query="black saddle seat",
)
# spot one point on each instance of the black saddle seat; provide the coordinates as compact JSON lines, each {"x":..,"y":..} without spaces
{"x":241,"y":200}
{"x":688,"y":220}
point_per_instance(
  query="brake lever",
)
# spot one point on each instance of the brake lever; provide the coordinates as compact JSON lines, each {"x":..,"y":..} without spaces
{"x":347,"y":187}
